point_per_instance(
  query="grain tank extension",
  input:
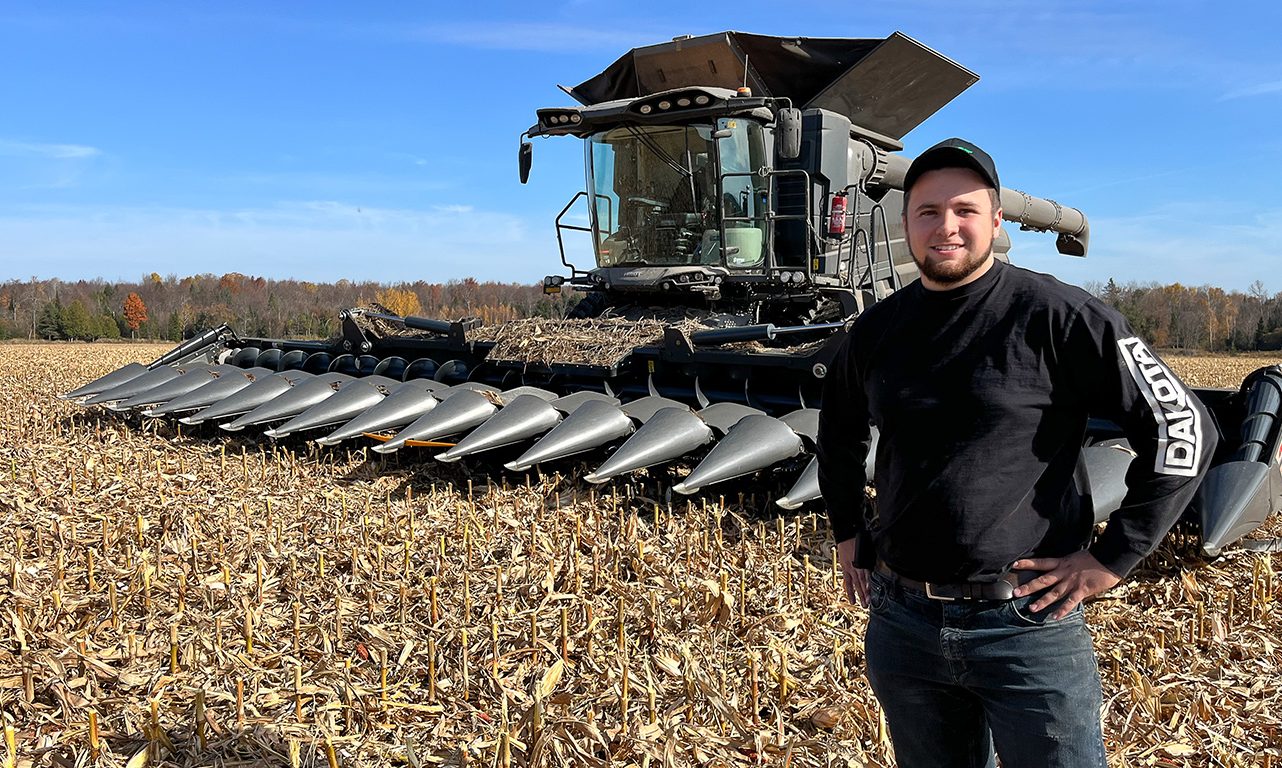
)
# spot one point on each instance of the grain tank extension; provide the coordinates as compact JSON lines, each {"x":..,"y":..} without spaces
{"x":743,"y":201}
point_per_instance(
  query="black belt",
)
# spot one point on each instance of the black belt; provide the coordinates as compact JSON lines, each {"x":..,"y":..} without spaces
{"x":1002,"y":589}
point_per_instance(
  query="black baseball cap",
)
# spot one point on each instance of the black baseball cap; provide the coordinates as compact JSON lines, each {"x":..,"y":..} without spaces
{"x":953,"y":153}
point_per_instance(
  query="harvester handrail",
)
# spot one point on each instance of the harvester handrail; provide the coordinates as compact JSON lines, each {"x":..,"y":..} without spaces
{"x":560,"y":243}
{"x":773,"y":216}
{"x":879,"y":211}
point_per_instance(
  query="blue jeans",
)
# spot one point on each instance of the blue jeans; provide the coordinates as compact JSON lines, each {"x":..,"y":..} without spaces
{"x":957,"y":679}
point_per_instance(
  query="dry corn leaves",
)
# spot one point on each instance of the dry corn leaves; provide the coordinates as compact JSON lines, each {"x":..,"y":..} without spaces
{"x":608,"y":339}
{"x":181,"y":601}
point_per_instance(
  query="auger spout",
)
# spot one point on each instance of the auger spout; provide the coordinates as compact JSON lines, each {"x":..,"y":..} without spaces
{"x":1073,"y":231}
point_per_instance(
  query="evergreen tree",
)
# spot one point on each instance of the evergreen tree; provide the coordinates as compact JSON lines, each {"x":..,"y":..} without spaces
{"x":1112,"y":294}
{"x":49,"y":325}
{"x":105,"y":327}
{"x":174,"y":330}
{"x":76,"y":322}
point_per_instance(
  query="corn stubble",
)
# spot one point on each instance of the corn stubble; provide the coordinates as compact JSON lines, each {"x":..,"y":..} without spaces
{"x":177,"y":601}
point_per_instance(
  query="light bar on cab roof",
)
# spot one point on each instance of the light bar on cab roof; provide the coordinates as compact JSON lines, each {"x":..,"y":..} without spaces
{"x":559,"y":119}
{"x":674,"y":102}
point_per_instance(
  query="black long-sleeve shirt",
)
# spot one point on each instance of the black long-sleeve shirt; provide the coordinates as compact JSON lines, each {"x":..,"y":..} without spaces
{"x":981,"y":395}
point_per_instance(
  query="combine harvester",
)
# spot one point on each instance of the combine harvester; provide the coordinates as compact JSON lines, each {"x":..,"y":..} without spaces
{"x":744,"y":199}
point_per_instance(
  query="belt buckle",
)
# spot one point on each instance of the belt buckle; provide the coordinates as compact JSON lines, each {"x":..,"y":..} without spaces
{"x":930,"y":592}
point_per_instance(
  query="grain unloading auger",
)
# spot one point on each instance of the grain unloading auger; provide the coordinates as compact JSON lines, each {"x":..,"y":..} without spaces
{"x":744,"y":200}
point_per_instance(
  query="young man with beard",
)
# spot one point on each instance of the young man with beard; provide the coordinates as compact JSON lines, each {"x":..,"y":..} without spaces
{"x":977,"y":554}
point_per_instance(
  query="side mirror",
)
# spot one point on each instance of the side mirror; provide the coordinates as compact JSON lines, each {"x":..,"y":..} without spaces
{"x":788,"y":133}
{"x":525,"y":159}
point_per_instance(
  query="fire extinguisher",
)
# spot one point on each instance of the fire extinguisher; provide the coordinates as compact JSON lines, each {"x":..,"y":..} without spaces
{"x":837,"y":216}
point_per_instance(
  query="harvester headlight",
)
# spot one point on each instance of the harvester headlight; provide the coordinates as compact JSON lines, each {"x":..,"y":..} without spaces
{"x":665,"y":104}
{"x":576,"y":118}
{"x":683,"y":102}
{"x":785,"y":277}
{"x":798,"y":277}
{"x":701,"y":100}
{"x":646,"y":109}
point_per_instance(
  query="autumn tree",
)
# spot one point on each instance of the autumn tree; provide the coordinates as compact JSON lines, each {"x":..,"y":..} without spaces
{"x":400,"y":301}
{"x":135,"y":312}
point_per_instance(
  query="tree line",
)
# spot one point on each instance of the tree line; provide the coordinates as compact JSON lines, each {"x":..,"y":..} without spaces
{"x":172,"y":308}
{"x":1169,"y":316}
{"x":1198,"y":318}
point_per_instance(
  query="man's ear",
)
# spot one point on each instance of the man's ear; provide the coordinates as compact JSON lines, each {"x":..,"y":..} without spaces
{"x":997,"y":221}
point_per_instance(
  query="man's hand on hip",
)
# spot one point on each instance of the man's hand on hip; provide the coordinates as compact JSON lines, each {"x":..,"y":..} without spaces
{"x":855,"y":579}
{"x":1067,"y":580}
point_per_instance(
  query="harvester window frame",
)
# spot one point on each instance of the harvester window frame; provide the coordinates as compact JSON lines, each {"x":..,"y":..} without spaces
{"x":703,"y":225}
{"x":755,"y":211}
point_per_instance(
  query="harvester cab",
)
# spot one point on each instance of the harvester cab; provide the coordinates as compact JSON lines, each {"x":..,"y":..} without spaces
{"x":754,"y":174}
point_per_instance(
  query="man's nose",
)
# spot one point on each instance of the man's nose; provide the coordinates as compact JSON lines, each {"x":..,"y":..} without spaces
{"x":949,"y":222}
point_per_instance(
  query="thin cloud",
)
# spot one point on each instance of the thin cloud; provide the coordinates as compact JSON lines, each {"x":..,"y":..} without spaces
{"x":50,"y":151}
{"x":1259,"y":89}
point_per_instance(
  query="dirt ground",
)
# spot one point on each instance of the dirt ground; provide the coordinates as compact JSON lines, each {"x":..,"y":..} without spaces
{"x":186,"y":599}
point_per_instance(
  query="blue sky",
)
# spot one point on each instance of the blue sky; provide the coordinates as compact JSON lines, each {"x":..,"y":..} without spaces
{"x":377,"y":140}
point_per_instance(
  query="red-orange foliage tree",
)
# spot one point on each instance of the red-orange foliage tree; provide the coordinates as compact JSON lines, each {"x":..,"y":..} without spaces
{"x":135,"y":311}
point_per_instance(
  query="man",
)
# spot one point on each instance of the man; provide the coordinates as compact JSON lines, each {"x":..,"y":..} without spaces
{"x":977,"y":554}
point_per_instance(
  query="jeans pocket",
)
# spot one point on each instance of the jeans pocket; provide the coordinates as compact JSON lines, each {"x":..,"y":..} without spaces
{"x":878,"y":594}
{"x":1022,"y":615}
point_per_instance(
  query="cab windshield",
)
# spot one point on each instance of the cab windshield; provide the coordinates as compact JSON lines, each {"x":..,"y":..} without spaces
{"x":661,"y":194}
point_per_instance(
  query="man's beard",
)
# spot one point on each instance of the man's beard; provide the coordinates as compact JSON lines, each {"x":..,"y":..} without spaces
{"x":951,"y":272}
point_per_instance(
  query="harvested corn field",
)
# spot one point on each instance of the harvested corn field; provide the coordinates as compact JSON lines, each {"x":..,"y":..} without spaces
{"x":177,"y":601}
